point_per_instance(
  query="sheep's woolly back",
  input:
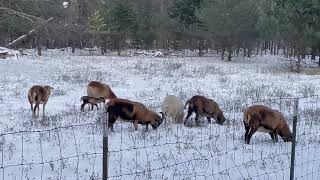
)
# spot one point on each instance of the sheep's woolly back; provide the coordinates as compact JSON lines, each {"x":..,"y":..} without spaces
{"x":173,"y":107}
{"x":98,"y":89}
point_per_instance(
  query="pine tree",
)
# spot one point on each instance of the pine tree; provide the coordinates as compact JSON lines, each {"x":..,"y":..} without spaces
{"x":96,"y":22}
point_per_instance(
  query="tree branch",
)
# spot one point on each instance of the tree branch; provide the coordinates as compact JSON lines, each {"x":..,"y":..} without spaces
{"x":22,"y":15}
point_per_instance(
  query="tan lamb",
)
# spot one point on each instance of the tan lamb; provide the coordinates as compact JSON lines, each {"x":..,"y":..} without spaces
{"x":38,"y":95}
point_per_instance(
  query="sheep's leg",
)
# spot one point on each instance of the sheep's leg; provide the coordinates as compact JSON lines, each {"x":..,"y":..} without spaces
{"x":96,"y":106}
{"x":110,"y":126}
{"x":209,"y":121}
{"x":275,"y":136}
{"x":272,"y":136}
{"x":247,"y":127}
{"x":31,"y":104}
{"x":147,"y":126}
{"x":34,"y":115}
{"x":197,"y":111}
{"x":36,"y":109}
{"x":197,"y":119}
{"x":82,"y":106}
{"x":91,"y":107}
{"x":135,"y":124}
{"x":43,"y":109}
{"x":252,"y":131}
{"x":190,"y":111}
{"x":111,"y":120}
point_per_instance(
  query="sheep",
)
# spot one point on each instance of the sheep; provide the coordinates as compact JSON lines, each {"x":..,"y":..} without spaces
{"x":38,"y":95}
{"x":173,"y":107}
{"x":92,"y":101}
{"x":204,"y":107}
{"x":264,"y":119}
{"x":131,"y":111}
{"x":97,"y":89}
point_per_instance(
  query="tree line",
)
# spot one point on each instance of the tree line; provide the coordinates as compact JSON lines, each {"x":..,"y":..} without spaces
{"x":228,"y":26}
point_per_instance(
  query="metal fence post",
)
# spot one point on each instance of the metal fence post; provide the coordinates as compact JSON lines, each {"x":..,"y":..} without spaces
{"x":105,"y":153}
{"x":294,"y":131}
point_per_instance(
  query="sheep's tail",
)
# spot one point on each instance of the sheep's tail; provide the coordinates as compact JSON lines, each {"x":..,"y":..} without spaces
{"x":247,"y":118}
{"x":186,"y":104}
{"x":82,"y":98}
{"x":33,"y":97}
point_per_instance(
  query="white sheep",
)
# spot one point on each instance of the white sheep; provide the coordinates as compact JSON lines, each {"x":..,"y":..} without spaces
{"x":172,"y":107}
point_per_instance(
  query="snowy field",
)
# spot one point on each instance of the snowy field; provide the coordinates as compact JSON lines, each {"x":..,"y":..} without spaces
{"x":67,"y":144}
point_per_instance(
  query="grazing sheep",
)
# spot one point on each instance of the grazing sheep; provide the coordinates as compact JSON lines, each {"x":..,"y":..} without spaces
{"x":97,"y":89}
{"x":173,"y":107}
{"x":264,"y":119}
{"x":39,"y":95}
{"x":131,"y":111}
{"x":204,"y":107}
{"x":92,"y":101}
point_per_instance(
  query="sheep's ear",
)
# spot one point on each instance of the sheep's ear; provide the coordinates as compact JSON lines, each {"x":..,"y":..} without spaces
{"x":106,"y":101}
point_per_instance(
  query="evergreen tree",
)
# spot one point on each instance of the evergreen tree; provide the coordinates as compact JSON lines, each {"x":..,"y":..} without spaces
{"x":96,"y":22}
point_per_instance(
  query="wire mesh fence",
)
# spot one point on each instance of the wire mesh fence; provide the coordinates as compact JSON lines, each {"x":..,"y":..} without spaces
{"x":208,"y":151}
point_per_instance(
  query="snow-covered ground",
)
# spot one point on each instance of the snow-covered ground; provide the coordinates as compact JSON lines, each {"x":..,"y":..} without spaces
{"x":36,"y":149}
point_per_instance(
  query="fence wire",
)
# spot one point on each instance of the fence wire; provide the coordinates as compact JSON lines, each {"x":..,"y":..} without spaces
{"x":208,"y":151}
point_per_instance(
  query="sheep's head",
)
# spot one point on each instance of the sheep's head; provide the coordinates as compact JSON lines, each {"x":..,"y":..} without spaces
{"x":286,"y":134}
{"x":101,"y":99}
{"x":220,"y":118}
{"x":49,"y":89}
{"x":157,"y":121}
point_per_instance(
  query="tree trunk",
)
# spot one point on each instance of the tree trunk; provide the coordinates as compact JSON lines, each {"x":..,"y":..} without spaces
{"x":319,"y":56}
{"x":313,"y":53}
{"x":229,"y":54}
{"x":39,"y":44}
{"x":291,"y":52}
{"x":73,"y":47}
{"x":222,"y":53}
{"x":249,"y":52}
{"x":163,"y":39}
{"x":298,"y":62}
{"x":285,"y":52}
{"x":200,"y":47}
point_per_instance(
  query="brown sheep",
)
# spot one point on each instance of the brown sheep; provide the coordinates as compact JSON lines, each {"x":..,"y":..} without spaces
{"x":204,"y":107}
{"x":39,"y":95}
{"x":264,"y":119}
{"x":97,"y":89}
{"x":131,"y":111}
{"x":92,"y":101}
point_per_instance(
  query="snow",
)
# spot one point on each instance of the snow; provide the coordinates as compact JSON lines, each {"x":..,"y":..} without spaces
{"x":210,"y":151}
{"x":65,"y":4}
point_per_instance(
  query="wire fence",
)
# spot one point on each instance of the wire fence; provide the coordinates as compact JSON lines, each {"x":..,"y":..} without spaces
{"x":208,"y":151}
